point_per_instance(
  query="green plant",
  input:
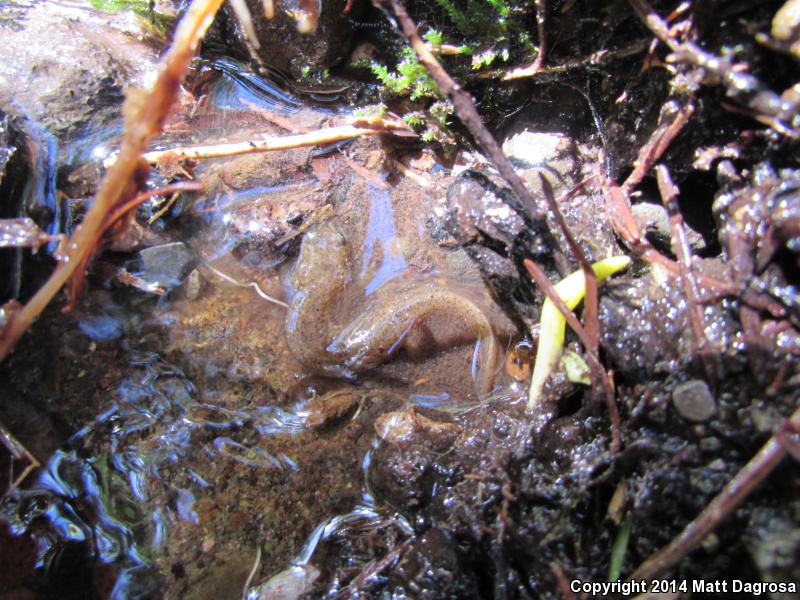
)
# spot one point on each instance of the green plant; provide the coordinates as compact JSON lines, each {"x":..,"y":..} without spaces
{"x":409,"y":79}
{"x":144,"y":9}
{"x":491,"y":29}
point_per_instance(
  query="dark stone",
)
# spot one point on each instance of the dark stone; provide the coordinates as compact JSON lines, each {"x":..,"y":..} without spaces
{"x":165,"y":265}
{"x":66,"y":67}
{"x":284,"y":47}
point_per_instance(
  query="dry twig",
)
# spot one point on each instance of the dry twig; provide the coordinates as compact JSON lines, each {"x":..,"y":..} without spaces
{"x":319,"y":137}
{"x":596,"y":59}
{"x":659,"y":141}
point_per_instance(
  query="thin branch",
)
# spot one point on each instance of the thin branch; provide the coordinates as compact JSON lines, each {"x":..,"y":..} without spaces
{"x":722,"y":506}
{"x":669,"y":197}
{"x":76,"y":283}
{"x":562,"y":581}
{"x":654,"y":149}
{"x":17,"y":451}
{"x":373,"y":569}
{"x":319,"y":137}
{"x":777,"y":112}
{"x":145,"y":115}
{"x":599,"y":58}
{"x":590,"y":303}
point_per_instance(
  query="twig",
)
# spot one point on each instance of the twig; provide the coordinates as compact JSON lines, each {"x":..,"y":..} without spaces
{"x":351,"y":591}
{"x":590,"y":303}
{"x":466,"y":111}
{"x":75,"y":285}
{"x":599,"y":58}
{"x":625,"y":227}
{"x":562,"y":581}
{"x":659,"y":141}
{"x":271,"y":143}
{"x":723,"y":505}
{"x":547,"y":287}
{"x":669,"y":197}
{"x":17,"y":451}
{"x":591,"y":318}
{"x":145,"y":115}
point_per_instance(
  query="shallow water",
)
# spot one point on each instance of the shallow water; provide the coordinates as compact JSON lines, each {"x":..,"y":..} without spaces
{"x":201,"y":448}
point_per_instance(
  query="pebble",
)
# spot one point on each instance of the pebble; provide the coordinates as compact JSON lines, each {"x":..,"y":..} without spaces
{"x":165,"y":265}
{"x":693,"y":400}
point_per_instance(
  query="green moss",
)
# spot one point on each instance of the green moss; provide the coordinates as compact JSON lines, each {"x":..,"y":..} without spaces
{"x":486,"y":31}
{"x":408,"y":79}
{"x":159,"y":23}
{"x":370,"y":111}
{"x":492,"y":29}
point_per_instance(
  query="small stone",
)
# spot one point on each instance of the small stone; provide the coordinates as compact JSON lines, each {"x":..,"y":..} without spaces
{"x":192,"y":286}
{"x":536,"y":148}
{"x":165,"y":265}
{"x":101,"y":328}
{"x":653,"y":220}
{"x":693,"y":400}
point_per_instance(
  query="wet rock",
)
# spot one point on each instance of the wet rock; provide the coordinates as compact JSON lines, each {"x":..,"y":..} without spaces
{"x":403,"y":475}
{"x":693,"y":400}
{"x":282,"y":45}
{"x":653,"y":221}
{"x":165,"y":265}
{"x":407,"y":425}
{"x":490,"y":224}
{"x":289,"y":584}
{"x":66,"y":65}
{"x":553,"y":155}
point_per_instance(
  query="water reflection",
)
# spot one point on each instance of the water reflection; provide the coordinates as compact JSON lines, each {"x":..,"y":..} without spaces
{"x":380,"y":243}
{"x":111,"y":499}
